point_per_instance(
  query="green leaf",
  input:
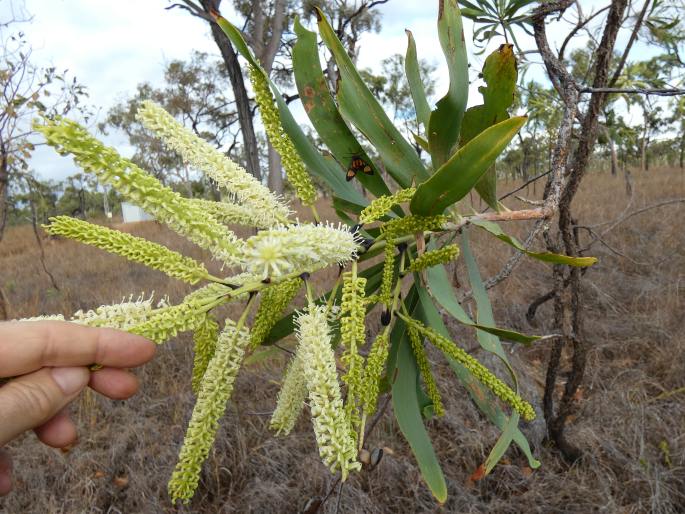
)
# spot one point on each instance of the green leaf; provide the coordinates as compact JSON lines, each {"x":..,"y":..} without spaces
{"x":323,"y":113}
{"x":408,"y":413}
{"x":554,"y":258}
{"x":359,"y":106}
{"x":457,"y":176}
{"x":500,"y":75}
{"x":444,"y":124}
{"x":316,"y":164}
{"x":481,"y":396}
{"x":418,"y":94}
{"x":502,"y":444}
{"x":441,"y":290}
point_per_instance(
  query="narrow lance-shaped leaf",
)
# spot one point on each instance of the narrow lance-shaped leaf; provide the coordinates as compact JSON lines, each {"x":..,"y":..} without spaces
{"x":327,"y":171}
{"x":482,"y":397}
{"x":445,"y":121}
{"x":460,"y":174}
{"x":323,"y":113}
{"x":441,"y":289}
{"x":500,"y":75}
{"x":361,"y":108}
{"x":554,"y":258}
{"x":418,"y":94}
{"x":407,"y":411}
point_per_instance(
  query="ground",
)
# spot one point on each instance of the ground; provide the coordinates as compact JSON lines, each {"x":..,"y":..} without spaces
{"x":630,"y":419}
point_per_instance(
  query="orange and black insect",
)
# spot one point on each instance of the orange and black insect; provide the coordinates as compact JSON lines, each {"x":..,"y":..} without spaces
{"x":358,"y":164}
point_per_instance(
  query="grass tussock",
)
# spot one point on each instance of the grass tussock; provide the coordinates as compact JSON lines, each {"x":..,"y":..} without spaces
{"x":631,"y":430}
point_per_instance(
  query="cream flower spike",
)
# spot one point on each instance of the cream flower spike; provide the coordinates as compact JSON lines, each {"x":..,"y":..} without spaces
{"x":266,"y":208}
{"x":306,"y":247}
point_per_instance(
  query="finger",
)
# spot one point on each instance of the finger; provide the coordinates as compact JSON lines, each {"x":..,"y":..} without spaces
{"x":58,"y":432}
{"x":30,"y":345}
{"x":31,"y":400}
{"x":5,"y":473}
{"x":117,"y":384}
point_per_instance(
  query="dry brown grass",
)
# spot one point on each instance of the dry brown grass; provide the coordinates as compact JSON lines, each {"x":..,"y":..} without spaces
{"x":634,"y":442}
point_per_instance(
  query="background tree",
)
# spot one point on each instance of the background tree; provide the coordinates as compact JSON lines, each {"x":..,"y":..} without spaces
{"x":27,"y":92}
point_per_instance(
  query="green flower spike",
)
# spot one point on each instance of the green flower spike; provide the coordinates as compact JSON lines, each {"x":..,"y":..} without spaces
{"x":375,"y":364}
{"x":480,"y":372}
{"x":215,"y":391}
{"x":204,"y":340}
{"x":353,"y":335}
{"x":425,"y":369}
{"x":388,"y":272}
{"x":141,"y":188}
{"x":133,"y":248}
{"x":382,"y":205}
{"x":291,"y":398}
{"x":292,"y":164}
{"x":331,"y":426}
{"x":274,"y":300}
{"x":434,"y":257}
{"x":266,"y":209}
{"x":412,"y":224}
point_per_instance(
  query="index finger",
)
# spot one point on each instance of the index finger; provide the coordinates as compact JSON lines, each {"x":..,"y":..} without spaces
{"x":30,"y":345}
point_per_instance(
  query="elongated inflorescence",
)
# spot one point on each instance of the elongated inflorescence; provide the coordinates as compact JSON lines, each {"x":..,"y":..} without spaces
{"x":292,"y":163}
{"x":375,"y":364}
{"x":215,"y":391}
{"x":434,"y":257}
{"x":291,"y":398}
{"x":353,"y":335}
{"x":204,"y":342}
{"x":283,"y":250}
{"x":380,"y":206}
{"x":482,"y":374}
{"x":68,"y":137}
{"x":133,"y":248}
{"x":274,"y":300}
{"x":425,"y":370}
{"x":331,"y":426}
{"x":266,"y":208}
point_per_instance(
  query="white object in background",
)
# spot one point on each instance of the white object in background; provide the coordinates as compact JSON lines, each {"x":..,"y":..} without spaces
{"x":133,"y":213}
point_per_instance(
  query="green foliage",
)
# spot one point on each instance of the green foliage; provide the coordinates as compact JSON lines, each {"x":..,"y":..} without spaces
{"x":272,"y":264}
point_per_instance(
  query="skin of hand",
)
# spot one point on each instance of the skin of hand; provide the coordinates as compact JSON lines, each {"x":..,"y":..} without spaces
{"x":49,"y":360}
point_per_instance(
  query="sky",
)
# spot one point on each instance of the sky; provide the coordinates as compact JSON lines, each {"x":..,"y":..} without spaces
{"x":111,"y":46}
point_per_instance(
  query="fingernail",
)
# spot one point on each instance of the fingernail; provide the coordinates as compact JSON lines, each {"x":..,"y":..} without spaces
{"x":70,"y":380}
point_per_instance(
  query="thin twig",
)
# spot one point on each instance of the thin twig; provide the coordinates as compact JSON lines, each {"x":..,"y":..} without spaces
{"x":633,"y":90}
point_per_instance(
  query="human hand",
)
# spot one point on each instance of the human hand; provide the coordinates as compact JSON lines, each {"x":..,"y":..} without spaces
{"x":50,"y":361}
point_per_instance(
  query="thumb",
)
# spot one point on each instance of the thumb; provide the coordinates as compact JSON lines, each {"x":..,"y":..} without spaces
{"x":31,"y":400}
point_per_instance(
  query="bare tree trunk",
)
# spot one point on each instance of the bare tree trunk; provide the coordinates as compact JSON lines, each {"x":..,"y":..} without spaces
{"x":643,"y":148}
{"x":4,"y":184}
{"x":275,"y":172}
{"x":242,"y":100}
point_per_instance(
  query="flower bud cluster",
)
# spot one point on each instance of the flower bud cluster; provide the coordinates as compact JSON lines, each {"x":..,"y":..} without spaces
{"x":480,"y":372}
{"x":266,"y":209}
{"x":204,"y":342}
{"x":412,"y":224}
{"x":375,"y":364}
{"x":382,"y":205}
{"x":353,"y":335}
{"x":133,"y":248}
{"x":331,"y":426}
{"x":292,"y":164}
{"x":298,"y":248}
{"x":434,"y":257}
{"x":274,"y":300}
{"x":425,"y":369}
{"x":144,"y":190}
{"x":388,"y":278}
{"x":215,"y":391}
{"x":291,"y":398}
{"x":229,"y":213}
